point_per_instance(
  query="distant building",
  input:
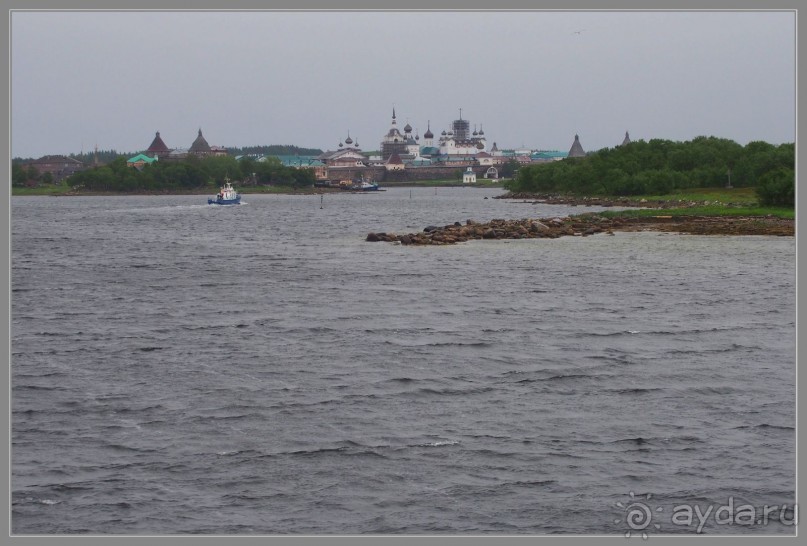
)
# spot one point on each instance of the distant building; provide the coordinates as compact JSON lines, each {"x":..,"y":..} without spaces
{"x":158,"y":147}
{"x":305,"y":162}
{"x":394,"y":163}
{"x":394,"y":142}
{"x":577,"y":149}
{"x":346,"y":164}
{"x":140,"y":160}
{"x":626,"y":141}
{"x":460,"y":141}
{"x":199,"y":148}
{"x":59,"y":166}
{"x":418,"y":162}
{"x":547,"y":155}
{"x":428,"y":136}
{"x":484,"y":158}
{"x":469,"y":176}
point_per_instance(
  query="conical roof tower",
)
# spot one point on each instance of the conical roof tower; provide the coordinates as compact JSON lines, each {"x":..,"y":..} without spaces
{"x":627,"y":139}
{"x":200,"y":145}
{"x":576,"y":149}
{"x":158,"y":147}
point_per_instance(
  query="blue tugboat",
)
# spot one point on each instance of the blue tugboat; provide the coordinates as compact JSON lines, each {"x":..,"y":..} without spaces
{"x":362,"y":185}
{"x":226,"y":196}
{"x":367,"y":186}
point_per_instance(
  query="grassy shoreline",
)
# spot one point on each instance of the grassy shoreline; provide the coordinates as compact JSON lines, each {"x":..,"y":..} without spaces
{"x":704,"y":211}
{"x":706,"y":202}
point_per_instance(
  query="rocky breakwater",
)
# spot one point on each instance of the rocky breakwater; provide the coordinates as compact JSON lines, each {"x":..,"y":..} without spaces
{"x":585,"y":225}
{"x":495,"y":229}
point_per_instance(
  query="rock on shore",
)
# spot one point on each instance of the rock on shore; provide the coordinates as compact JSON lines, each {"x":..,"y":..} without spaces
{"x":589,"y":224}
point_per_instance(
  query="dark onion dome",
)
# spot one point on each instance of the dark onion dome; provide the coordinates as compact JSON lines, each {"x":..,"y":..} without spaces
{"x":480,"y":146}
{"x":417,"y":137}
{"x":428,"y":134}
{"x":451,"y":133}
{"x":340,"y":145}
{"x":474,"y":133}
{"x":348,"y":140}
{"x":443,"y":133}
{"x":481,"y":132}
{"x":407,"y":128}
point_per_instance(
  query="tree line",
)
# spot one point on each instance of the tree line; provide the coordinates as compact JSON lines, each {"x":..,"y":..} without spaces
{"x":274,"y":149}
{"x":108,"y":156}
{"x":658,"y":167}
{"x":190,"y":173}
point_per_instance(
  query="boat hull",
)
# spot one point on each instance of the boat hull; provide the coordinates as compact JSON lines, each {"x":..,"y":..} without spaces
{"x":236,"y":201}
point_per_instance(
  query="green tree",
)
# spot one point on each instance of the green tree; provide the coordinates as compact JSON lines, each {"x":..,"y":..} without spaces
{"x":303,"y":177}
{"x":777,"y":188}
{"x":508,"y":169}
{"x":32,"y":174}
{"x":19,"y":175}
{"x":221,"y":166}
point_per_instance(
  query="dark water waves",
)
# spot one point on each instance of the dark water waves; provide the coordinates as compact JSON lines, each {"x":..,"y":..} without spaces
{"x":179,"y":368}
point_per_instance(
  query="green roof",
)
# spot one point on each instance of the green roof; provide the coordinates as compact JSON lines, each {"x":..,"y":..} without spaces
{"x":549,"y":155}
{"x":299,"y":160}
{"x":141,"y":157}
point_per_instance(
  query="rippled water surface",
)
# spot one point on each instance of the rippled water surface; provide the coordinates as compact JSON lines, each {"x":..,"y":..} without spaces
{"x":260,"y":369}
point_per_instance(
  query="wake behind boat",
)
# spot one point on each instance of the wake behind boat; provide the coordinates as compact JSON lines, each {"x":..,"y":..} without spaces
{"x":226,"y":196}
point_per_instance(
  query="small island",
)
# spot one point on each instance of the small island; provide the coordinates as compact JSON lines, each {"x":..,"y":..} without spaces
{"x":707,"y":186}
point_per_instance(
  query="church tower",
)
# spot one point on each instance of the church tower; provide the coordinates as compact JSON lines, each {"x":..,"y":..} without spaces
{"x":393,"y":142}
{"x":577,"y":149}
{"x":627,"y":139}
{"x":200,"y":146}
{"x":428,"y":136}
{"x":158,"y":147}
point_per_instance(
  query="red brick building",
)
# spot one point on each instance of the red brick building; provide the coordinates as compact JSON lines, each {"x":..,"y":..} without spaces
{"x":59,"y":166}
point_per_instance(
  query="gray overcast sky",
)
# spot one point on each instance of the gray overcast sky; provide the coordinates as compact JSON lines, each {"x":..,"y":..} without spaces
{"x":306,"y":78}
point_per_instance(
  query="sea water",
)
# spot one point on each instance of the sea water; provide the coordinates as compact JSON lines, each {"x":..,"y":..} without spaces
{"x":179,"y":368}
